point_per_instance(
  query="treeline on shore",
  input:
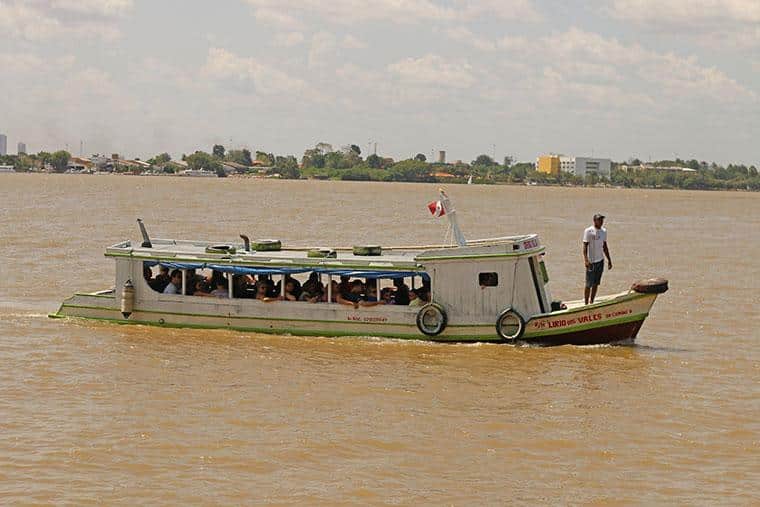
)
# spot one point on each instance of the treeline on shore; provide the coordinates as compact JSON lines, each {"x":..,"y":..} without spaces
{"x":347,"y":163}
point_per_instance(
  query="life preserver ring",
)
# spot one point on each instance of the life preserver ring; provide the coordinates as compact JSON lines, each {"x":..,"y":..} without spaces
{"x":267,"y":245}
{"x":324,"y":253}
{"x":510,"y":325}
{"x":432,"y":319}
{"x":650,"y":286}
{"x":370,"y":250}
{"x":221,"y":249}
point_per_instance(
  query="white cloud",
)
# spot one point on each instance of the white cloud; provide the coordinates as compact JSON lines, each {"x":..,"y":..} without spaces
{"x":255,"y":76}
{"x":351,"y":42}
{"x":46,"y":19}
{"x":323,"y":47}
{"x":687,"y":11}
{"x":728,"y":23}
{"x":398,"y":11}
{"x":267,"y":15}
{"x":288,"y":39}
{"x":433,"y":70}
{"x":98,"y":7}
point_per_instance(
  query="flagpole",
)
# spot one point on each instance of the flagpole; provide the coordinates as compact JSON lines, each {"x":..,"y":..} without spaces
{"x":451,"y":214}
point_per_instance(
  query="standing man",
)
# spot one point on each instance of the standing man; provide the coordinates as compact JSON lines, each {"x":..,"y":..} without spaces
{"x":594,"y":251}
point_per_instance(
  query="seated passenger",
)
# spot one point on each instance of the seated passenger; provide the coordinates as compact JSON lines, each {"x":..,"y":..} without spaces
{"x":272,"y":291}
{"x":213,"y":281}
{"x":402,"y":296}
{"x":334,"y":291}
{"x":312,"y":289}
{"x":221,"y":291}
{"x":152,"y":282}
{"x":190,"y":281}
{"x":163,"y":274}
{"x":370,"y":293}
{"x":344,"y":286}
{"x":387,"y":296}
{"x":263,"y":289}
{"x":414,"y":298}
{"x":353,"y":296}
{"x":200,"y":288}
{"x":162,"y":279}
{"x":241,"y":287}
{"x":290,"y":291}
{"x":175,"y":283}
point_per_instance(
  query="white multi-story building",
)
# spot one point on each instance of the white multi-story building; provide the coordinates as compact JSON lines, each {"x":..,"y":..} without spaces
{"x":21,"y":149}
{"x":581,"y":166}
{"x":3,"y":144}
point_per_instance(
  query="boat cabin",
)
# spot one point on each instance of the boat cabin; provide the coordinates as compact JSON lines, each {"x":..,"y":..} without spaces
{"x":468,"y":285}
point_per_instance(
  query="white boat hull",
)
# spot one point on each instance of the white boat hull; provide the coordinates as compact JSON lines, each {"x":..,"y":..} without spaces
{"x":614,"y":319}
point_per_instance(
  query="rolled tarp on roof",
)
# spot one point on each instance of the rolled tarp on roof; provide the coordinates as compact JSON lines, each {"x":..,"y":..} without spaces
{"x":278,"y":270}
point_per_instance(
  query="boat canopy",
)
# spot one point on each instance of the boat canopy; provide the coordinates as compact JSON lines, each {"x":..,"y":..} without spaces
{"x":277,"y":270}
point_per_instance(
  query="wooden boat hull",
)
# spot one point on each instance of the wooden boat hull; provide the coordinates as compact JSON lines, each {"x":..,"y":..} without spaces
{"x":614,"y":319}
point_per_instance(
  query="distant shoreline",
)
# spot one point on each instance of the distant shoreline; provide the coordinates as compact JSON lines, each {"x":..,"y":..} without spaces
{"x":440,"y":181}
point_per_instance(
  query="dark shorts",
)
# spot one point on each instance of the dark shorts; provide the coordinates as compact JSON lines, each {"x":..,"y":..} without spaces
{"x":594,"y":274}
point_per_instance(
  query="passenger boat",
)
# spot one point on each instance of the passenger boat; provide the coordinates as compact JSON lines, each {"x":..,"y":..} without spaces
{"x":490,"y":290}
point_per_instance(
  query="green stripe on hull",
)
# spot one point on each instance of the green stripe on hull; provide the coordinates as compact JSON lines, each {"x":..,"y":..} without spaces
{"x":294,"y":332}
{"x":586,"y":327}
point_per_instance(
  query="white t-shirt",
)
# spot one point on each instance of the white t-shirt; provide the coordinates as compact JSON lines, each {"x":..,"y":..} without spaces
{"x":171,"y":289}
{"x":595,"y":239}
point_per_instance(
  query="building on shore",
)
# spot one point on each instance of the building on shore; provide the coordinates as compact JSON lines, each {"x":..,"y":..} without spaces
{"x":650,"y":167}
{"x":21,"y":148}
{"x":548,"y":164}
{"x":3,"y":145}
{"x":583,"y":166}
{"x":442,"y":157}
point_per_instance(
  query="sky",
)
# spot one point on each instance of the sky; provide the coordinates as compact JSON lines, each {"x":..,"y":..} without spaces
{"x":653,"y":79}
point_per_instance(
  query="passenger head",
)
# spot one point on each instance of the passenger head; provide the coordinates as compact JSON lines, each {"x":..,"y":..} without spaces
{"x":357,"y":287}
{"x":290,"y":286}
{"x":176,"y":277}
{"x":261,"y":289}
{"x":164,"y":271}
{"x":344,"y":279}
{"x":147,"y":272}
{"x":314,"y":276}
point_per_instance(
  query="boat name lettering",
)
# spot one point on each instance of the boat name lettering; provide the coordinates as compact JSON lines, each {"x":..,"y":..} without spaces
{"x":618,"y":313}
{"x":583,"y":319}
{"x":366,"y":318}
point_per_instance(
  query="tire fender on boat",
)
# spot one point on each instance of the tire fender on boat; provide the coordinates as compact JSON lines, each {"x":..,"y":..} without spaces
{"x":221,"y":249}
{"x":432,"y":319}
{"x":510,"y":325}
{"x":650,"y":286}
{"x":267,"y":245}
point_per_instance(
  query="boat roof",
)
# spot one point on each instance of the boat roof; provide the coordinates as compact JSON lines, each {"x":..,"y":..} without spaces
{"x":409,"y":258}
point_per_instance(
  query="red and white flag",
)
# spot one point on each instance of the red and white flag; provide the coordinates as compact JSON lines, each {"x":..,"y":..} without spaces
{"x":436,"y":209}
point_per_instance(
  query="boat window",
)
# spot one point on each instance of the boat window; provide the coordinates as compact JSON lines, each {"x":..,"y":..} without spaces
{"x":367,"y":287}
{"x":488,"y":279}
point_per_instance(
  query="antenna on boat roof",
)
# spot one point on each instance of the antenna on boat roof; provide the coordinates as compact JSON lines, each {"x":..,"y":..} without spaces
{"x":451,"y":214}
{"x":146,"y":240}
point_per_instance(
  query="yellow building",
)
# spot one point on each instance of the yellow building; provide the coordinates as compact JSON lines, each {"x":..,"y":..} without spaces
{"x":548,"y":164}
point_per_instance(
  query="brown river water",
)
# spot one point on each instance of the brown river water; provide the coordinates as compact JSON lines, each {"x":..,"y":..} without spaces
{"x":95,"y":413}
